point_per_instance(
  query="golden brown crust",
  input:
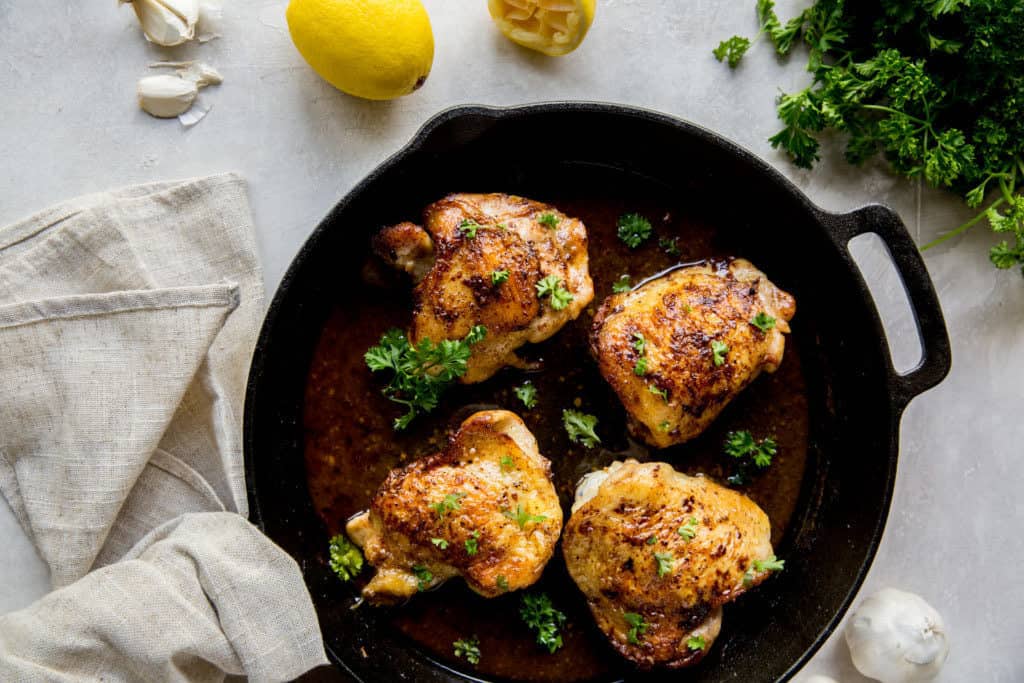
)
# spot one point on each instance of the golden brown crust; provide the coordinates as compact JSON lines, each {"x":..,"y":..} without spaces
{"x":398,"y":531}
{"x":679,"y":315}
{"x":610,"y":556}
{"x":456,"y":291}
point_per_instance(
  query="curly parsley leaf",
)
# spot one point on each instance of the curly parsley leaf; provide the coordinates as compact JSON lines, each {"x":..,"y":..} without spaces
{"x":741,"y":444}
{"x":468,"y":648}
{"x":541,"y":616}
{"x":420,"y":373}
{"x":450,"y":503}
{"x":424,"y":577}
{"x":718,"y":351}
{"x":689,"y":530}
{"x":522,"y":517}
{"x":499,"y":277}
{"x":549,"y":221}
{"x":527,"y":393}
{"x":637,"y":627}
{"x":551,"y":286}
{"x":472,"y":543}
{"x":634,"y":229}
{"x":468,"y":228}
{"x":621,"y":285}
{"x":696,"y":643}
{"x":763,"y":321}
{"x":345,"y":558}
{"x":580,"y":427}
{"x":665,"y":563}
{"x":732,"y":50}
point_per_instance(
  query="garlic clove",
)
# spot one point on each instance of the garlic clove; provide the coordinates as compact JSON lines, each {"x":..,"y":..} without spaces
{"x":167,"y":22}
{"x":166,"y":96}
{"x":897,"y":637}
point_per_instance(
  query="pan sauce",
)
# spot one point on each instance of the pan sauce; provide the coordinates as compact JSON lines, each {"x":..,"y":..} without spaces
{"x":350,"y":445}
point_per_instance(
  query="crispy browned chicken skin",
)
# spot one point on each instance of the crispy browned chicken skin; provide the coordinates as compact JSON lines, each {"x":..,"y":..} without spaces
{"x":681,"y":317}
{"x":453,"y":271}
{"x":483,"y":508}
{"x":610,"y":555}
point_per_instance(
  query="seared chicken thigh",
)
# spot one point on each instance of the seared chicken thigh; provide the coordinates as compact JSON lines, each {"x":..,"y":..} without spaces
{"x":483,"y":508}
{"x":657,"y":553}
{"x":677,"y":349}
{"x":516,"y":266}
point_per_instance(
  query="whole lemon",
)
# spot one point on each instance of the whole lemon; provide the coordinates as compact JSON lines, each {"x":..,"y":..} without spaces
{"x":377,"y":49}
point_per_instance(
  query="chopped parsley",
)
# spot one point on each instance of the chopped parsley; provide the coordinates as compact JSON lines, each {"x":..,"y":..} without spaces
{"x":769,"y":564}
{"x":498,"y":277}
{"x":420,"y":373}
{"x":472,"y":543}
{"x":640,"y":368}
{"x":423,"y":577}
{"x":580,"y":427}
{"x":718,"y":351}
{"x":688,"y":530}
{"x":665,"y":425}
{"x":551,"y":286}
{"x":696,"y":643}
{"x":527,"y":393}
{"x":651,"y":540}
{"x":507,"y":463}
{"x":633,"y":229}
{"x":521,"y":517}
{"x":549,"y":221}
{"x":621,"y":285}
{"x":501,"y":582}
{"x":665,"y":563}
{"x":763,"y":321}
{"x":670,"y":245}
{"x":345,"y":558}
{"x":468,"y":228}
{"x":639,"y":343}
{"x":637,"y":627}
{"x":541,"y":616}
{"x":448,"y":504}
{"x":741,"y":444}
{"x":440,"y":543}
{"x":658,"y":391}
{"x":468,"y":648}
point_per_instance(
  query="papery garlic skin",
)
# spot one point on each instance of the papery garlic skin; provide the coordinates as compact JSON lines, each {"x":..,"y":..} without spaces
{"x":818,"y":678}
{"x":897,"y":637}
{"x":166,"y":96}
{"x":167,"y":22}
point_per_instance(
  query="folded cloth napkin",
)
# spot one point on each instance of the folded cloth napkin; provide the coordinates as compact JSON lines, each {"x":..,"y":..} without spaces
{"x":127,"y":320}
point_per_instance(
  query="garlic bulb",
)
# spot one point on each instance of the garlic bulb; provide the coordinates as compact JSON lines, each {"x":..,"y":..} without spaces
{"x":897,"y":637}
{"x":167,"y":22}
{"x":166,"y":96}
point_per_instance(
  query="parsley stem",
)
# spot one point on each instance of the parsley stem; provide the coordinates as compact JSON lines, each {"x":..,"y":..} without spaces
{"x":963,"y":228}
{"x":890,"y":110}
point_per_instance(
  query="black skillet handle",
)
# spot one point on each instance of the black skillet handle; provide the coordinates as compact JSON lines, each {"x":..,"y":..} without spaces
{"x":931,"y":326}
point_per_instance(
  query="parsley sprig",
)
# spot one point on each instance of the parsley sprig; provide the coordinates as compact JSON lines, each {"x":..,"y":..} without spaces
{"x":749,"y":453}
{"x":932,"y":85}
{"x":541,"y":616}
{"x":552,"y":286}
{"x":637,"y":627}
{"x":522,"y":517}
{"x":468,"y":648}
{"x":345,"y":559}
{"x":527,"y":393}
{"x":633,"y":229}
{"x":580,"y":427}
{"x":420,"y":373}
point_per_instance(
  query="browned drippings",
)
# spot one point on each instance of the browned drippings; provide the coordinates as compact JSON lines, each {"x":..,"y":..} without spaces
{"x":350,"y":444}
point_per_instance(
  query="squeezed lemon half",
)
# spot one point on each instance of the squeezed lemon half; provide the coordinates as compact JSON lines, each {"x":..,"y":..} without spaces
{"x":554,"y":27}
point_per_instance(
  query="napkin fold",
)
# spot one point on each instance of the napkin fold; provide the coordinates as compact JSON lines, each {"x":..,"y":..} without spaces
{"x":127,"y":320}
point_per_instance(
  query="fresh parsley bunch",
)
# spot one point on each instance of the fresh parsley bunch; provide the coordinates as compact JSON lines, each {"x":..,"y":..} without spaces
{"x":420,"y":373}
{"x":936,"y":86}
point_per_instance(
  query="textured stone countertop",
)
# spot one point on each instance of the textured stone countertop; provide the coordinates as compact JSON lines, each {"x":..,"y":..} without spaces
{"x":69,"y":125}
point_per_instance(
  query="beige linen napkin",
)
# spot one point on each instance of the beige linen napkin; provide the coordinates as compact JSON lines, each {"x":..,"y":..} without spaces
{"x":127,"y":320}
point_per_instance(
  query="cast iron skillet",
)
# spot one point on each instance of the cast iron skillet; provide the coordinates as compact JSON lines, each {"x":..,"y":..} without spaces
{"x":856,"y":397}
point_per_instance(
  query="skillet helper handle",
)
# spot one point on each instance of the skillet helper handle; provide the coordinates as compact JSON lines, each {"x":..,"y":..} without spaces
{"x":936,"y":357}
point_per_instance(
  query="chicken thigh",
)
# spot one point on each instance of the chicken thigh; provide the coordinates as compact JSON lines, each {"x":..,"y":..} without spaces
{"x":677,"y":349}
{"x":516,"y":266}
{"x":483,"y":508}
{"x":657,"y":553}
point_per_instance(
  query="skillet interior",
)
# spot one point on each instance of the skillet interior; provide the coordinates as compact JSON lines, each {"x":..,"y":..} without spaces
{"x":593,"y":150}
